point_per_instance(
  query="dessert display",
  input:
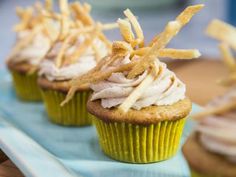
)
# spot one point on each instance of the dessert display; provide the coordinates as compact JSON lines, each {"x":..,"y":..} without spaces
{"x":80,"y":44}
{"x":35,"y":33}
{"x":139,"y":105}
{"x":213,"y":141}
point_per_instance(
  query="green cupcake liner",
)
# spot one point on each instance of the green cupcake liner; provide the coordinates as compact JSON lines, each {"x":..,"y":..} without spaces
{"x":140,"y":143}
{"x":26,"y":86}
{"x":73,"y":113}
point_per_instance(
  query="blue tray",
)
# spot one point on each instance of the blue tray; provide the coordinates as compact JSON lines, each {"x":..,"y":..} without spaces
{"x":40,"y":148}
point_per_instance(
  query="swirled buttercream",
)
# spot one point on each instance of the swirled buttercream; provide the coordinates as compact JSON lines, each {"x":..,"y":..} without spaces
{"x":83,"y":64}
{"x":218,"y":133}
{"x":166,"y":89}
{"x":34,"y":51}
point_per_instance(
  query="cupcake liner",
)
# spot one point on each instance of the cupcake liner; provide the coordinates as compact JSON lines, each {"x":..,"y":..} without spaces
{"x":73,"y":113}
{"x":26,"y":86}
{"x":140,"y":143}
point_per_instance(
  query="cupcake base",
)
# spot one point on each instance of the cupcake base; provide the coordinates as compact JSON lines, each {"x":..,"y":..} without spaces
{"x":73,"y":113}
{"x":204,"y":163}
{"x":26,"y":86}
{"x":140,"y":143}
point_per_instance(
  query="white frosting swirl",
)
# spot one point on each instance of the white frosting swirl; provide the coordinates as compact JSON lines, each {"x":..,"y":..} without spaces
{"x":218,"y":133}
{"x":84,"y":63}
{"x":34,"y":51}
{"x":167,"y":89}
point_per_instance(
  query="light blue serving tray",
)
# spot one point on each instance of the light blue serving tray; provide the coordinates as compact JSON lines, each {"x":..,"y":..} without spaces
{"x":42,"y":149}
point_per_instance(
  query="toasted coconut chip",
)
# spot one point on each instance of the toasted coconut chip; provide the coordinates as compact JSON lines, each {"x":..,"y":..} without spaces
{"x":140,"y":51}
{"x":38,"y":6}
{"x":126,"y":30}
{"x":183,"y":18}
{"x":64,"y":7}
{"x":82,"y":48}
{"x":65,"y":28}
{"x":26,"y":16}
{"x":216,"y":110}
{"x":63,"y":48}
{"x":78,"y":24}
{"x":50,"y":14}
{"x":137,"y":28}
{"x":169,"y":32}
{"x":50,"y":31}
{"x":170,"y":53}
{"x":144,"y":63}
{"x":98,"y":54}
{"x":102,"y":37}
{"x":138,"y":91}
{"x":82,"y":13}
{"x":87,"y":7}
{"x":20,"y":12}
{"x":80,"y":28}
{"x":179,"y":53}
{"x":119,"y":47}
{"x":154,"y":40}
{"x":49,"y":5}
{"x":109,"y":26}
{"x":227,"y":57}
{"x":188,"y":13}
{"x":223,"y":32}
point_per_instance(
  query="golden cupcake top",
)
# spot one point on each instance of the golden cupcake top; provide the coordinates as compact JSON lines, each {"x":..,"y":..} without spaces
{"x":226,"y":35}
{"x":133,"y":76}
{"x":80,"y":44}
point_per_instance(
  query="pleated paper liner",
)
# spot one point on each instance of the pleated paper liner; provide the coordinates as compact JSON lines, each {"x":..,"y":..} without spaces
{"x":26,"y":86}
{"x":140,"y":143}
{"x":73,"y":113}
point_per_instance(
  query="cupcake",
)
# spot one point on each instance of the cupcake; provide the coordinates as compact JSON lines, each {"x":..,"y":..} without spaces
{"x":79,"y":47}
{"x":211,"y":149}
{"x":32,"y":43}
{"x":139,"y":106}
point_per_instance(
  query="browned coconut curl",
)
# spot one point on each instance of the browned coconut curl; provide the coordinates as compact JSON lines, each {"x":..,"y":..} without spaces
{"x":216,"y":110}
{"x":226,"y":34}
{"x":75,"y":20}
{"x":133,"y":45}
{"x":223,"y":32}
{"x":164,"y":38}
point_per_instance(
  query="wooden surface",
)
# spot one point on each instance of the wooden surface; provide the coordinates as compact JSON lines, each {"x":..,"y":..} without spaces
{"x":200,"y":77}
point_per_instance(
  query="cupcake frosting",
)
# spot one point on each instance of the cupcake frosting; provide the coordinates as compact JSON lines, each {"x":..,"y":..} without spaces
{"x":218,"y":133}
{"x":166,"y":89}
{"x":34,"y":51}
{"x":83,"y":64}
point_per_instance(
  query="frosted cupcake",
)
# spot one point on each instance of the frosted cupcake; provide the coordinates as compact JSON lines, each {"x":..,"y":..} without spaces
{"x":139,"y":105}
{"x":211,"y":150}
{"x":75,"y":54}
{"x":32,"y":43}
